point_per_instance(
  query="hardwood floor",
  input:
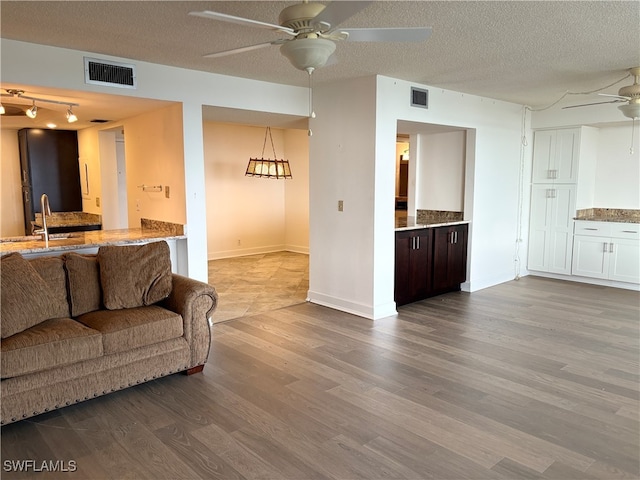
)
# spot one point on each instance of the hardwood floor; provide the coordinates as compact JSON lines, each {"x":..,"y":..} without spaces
{"x":532,"y":379}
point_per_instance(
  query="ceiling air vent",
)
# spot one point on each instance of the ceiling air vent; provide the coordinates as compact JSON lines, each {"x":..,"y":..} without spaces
{"x":419,"y":97}
{"x":101,"y":72}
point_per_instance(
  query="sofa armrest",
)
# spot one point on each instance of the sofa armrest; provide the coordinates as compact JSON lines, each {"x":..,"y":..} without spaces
{"x":195,"y":301}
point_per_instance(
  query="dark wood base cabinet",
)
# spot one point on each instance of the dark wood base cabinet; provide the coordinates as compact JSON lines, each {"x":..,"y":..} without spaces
{"x":430,"y":261}
{"x":413,"y":265}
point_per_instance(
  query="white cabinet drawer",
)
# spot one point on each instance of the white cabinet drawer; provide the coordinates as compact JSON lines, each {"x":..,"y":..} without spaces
{"x":626,"y":230}
{"x":594,"y":229}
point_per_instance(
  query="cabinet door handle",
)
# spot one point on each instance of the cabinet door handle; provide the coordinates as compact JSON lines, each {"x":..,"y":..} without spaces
{"x":611,"y":248}
{"x":595,"y":229}
{"x":417,"y":243}
{"x":604,"y":247}
{"x":629,"y":231}
{"x":456,"y":238}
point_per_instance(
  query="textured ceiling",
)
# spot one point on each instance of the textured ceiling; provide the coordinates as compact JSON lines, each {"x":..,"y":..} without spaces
{"x":519,"y":51}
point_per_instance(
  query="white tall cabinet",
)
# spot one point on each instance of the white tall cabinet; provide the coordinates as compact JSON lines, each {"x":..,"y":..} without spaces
{"x":563,"y":180}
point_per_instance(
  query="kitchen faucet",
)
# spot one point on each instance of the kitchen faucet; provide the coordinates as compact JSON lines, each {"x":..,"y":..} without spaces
{"x":46,"y":210}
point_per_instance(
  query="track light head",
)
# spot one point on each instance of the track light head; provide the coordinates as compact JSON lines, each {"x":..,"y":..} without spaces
{"x":33,"y":111}
{"x":71,"y":117}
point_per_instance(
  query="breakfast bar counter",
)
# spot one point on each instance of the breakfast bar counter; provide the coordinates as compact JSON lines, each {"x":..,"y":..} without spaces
{"x":90,"y":241}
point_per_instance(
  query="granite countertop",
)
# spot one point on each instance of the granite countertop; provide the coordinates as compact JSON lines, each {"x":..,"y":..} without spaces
{"x":79,"y":240}
{"x":409,"y":223}
{"x":68,"y":219}
{"x":429,"y":219}
{"x":608,"y":215}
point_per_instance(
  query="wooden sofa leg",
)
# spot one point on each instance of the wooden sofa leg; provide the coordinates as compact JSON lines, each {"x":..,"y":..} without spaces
{"x":192,"y":370}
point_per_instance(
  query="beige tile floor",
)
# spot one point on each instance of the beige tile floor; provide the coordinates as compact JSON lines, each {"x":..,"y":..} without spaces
{"x":258,"y":283}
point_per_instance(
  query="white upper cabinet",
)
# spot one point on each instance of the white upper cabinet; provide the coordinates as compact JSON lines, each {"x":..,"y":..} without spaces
{"x":555,"y":156}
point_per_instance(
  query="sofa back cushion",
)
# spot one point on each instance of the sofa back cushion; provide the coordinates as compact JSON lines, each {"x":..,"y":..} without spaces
{"x":134,"y":275}
{"x":51,"y":269}
{"x":85,"y":293}
{"x":25,"y":298}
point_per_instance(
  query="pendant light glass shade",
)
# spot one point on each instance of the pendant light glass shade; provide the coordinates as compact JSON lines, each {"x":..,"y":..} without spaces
{"x":267,"y":168}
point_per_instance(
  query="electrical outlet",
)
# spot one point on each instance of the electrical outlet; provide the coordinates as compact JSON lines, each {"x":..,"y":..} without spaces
{"x":137,"y":205}
{"x":340,"y":206}
{"x":97,"y":201}
{"x":239,"y":242}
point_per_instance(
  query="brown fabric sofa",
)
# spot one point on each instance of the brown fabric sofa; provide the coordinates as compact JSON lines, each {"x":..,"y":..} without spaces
{"x":75,"y":327}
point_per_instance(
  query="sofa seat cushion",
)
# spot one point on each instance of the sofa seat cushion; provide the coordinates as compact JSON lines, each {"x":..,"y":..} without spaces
{"x":131,"y":328}
{"x":52,"y":343}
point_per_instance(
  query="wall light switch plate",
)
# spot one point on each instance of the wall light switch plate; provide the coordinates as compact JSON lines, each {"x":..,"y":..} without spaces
{"x":340,"y":206}
{"x":97,"y":201}
{"x":166,"y":191}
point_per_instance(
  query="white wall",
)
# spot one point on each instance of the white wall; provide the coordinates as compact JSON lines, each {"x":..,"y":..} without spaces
{"x":442,"y":159}
{"x":296,"y":194}
{"x":12,"y":213}
{"x":617,"y":171}
{"x":342,"y":162}
{"x":249,"y":215}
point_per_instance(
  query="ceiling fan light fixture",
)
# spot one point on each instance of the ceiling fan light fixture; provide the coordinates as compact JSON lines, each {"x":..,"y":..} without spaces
{"x":306,"y":53}
{"x":2,"y":110}
{"x":631,"y":110}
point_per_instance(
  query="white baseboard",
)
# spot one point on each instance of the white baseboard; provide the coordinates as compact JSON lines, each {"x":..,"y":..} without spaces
{"x":242,"y":252}
{"x":593,"y":281}
{"x":354,"y":308}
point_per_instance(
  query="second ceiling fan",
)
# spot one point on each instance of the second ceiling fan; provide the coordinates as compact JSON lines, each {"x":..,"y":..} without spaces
{"x":311,"y":29}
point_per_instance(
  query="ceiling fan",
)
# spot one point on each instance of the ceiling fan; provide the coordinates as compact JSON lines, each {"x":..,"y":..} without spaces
{"x":629,"y":94}
{"x":311,"y":30}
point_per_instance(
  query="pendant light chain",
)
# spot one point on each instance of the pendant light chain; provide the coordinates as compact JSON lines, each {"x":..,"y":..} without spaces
{"x":268,"y":132}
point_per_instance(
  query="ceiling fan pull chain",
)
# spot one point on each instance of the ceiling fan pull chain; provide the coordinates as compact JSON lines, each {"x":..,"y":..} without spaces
{"x":633,"y":132}
{"x":312,"y":114}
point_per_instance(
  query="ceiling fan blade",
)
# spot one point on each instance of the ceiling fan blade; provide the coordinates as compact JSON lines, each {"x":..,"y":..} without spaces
{"x":248,"y":48}
{"x":595,"y":103}
{"x":615,"y":96}
{"x":337,"y":12}
{"x":410,"y":34}
{"x":242,"y":21}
